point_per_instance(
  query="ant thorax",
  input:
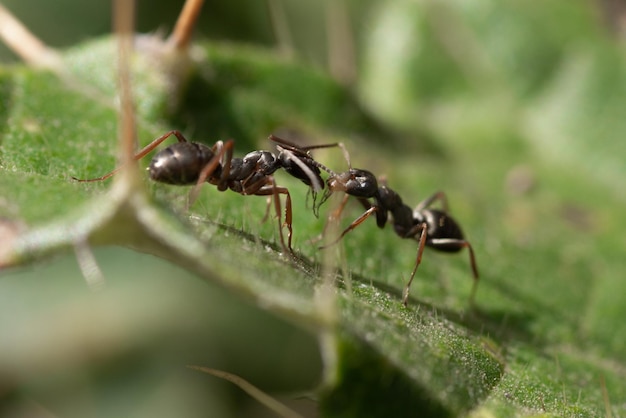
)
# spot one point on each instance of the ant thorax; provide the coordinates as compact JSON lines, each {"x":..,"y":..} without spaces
{"x":263,"y":162}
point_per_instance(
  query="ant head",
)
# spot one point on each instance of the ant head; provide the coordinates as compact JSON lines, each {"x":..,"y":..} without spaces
{"x":355,"y":182}
{"x":302,"y":167}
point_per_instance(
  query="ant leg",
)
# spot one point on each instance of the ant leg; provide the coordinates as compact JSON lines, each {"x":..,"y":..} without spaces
{"x":142,"y":153}
{"x":226,"y":160}
{"x":344,"y":151}
{"x":267,"y":210}
{"x":257,"y":188}
{"x":288,"y":215}
{"x":418,"y":260}
{"x":346,"y":155}
{"x":358,"y":221}
{"x":221,"y":149}
{"x":334,"y":216}
{"x":297,"y":148}
{"x":460,"y":244}
{"x":441,"y":196}
{"x":274,"y":190}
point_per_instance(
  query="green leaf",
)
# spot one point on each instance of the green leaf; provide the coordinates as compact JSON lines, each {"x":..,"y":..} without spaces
{"x":62,"y":144}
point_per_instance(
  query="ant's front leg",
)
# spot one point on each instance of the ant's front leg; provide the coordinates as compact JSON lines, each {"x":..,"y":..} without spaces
{"x":358,"y":221}
{"x":335,"y":214}
{"x":274,"y":190}
{"x":333,"y":217}
{"x":423,"y":228}
{"x":250,"y":187}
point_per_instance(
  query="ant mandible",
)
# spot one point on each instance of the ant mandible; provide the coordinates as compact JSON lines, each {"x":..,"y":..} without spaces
{"x":192,"y":163}
{"x":433,"y":228}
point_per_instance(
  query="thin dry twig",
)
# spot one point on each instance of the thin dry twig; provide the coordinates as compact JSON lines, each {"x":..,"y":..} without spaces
{"x":25,"y":44}
{"x":88,"y":265}
{"x":605,"y":397}
{"x":181,"y":35}
{"x":124,"y":23}
{"x":280,"y":26}
{"x":278,"y":407}
{"x":341,"y":50}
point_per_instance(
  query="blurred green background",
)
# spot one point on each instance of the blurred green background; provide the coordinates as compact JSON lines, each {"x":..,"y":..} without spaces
{"x":67,"y":22}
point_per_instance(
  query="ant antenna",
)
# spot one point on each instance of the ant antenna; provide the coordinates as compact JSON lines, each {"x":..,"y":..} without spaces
{"x":346,"y":155}
{"x":323,"y":167}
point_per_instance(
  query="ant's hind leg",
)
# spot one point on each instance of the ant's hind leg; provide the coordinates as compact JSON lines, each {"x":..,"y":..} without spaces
{"x":152,"y":145}
{"x":139,"y":155}
{"x":441,"y":196}
{"x":221,"y":150}
{"x":460,"y":244}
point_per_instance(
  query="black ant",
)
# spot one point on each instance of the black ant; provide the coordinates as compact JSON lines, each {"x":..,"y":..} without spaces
{"x":433,"y":228}
{"x":192,"y":163}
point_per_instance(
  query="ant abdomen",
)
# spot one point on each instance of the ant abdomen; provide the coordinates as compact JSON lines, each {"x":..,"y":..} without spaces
{"x":441,"y":229}
{"x":181,"y":163}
